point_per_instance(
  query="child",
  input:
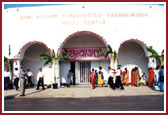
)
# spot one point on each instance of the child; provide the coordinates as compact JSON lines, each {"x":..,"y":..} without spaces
{"x":143,"y":81}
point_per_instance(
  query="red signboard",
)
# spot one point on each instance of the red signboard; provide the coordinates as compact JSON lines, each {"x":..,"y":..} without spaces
{"x":85,"y":54}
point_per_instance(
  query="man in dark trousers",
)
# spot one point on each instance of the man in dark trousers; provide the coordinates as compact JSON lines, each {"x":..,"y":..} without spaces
{"x":22,"y":81}
{"x":111,"y":80}
{"x":40,"y":78}
{"x":118,"y":79}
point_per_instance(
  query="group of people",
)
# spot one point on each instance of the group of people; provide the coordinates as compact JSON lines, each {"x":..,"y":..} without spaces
{"x":156,"y":78}
{"x":136,"y":79}
{"x":118,"y":78}
{"x":16,"y":78}
{"x":97,"y":78}
{"x":25,"y":78}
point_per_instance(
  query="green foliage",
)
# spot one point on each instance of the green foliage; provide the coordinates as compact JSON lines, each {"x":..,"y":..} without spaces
{"x":9,"y":50}
{"x":115,"y":55}
{"x":5,"y":60}
{"x":154,"y":52}
{"x":50,"y":58}
{"x":105,"y":53}
{"x":47,"y":57}
{"x":162,"y":52}
{"x":110,"y":49}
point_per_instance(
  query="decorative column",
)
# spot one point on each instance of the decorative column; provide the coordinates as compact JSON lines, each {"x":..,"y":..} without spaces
{"x":58,"y":75}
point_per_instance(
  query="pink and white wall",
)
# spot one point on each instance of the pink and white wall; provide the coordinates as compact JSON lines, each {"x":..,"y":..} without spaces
{"x":128,"y":28}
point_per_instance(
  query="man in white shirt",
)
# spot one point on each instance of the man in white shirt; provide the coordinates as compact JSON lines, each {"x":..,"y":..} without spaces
{"x":40,"y":78}
{"x":29,"y":76}
{"x":7,"y":78}
{"x":111,"y":80}
{"x":118,"y":79}
{"x":16,"y":78}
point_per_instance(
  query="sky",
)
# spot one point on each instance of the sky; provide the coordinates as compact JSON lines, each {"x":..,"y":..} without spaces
{"x":6,"y":6}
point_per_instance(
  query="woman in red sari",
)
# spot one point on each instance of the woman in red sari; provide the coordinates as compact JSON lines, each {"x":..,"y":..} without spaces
{"x":92,"y":78}
{"x":133,"y":77}
{"x":126,"y":77}
{"x":151,"y":77}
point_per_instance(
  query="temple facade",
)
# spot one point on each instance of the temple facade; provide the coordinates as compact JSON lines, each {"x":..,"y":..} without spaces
{"x":82,"y":29}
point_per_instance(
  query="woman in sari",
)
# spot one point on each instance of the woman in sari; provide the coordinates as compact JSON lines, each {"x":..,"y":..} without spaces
{"x":92,"y":78}
{"x":151,"y":77}
{"x":133,"y":77}
{"x":137,"y":76}
{"x":126,"y":77}
{"x":100,"y":77}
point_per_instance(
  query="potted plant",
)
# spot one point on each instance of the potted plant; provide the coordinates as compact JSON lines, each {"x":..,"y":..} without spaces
{"x":53,"y":59}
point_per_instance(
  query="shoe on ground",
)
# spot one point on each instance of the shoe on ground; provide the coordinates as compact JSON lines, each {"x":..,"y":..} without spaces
{"x":22,"y":95}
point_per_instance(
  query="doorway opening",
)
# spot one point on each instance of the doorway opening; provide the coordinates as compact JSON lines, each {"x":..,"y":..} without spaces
{"x":73,"y":71}
{"x":85,"y":72}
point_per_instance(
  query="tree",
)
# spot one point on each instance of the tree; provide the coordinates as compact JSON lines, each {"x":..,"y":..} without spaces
{"x":52,"y":58}
{"x":109,"y":51}
{"x":155,"y":54}
{"x":8,"y":61}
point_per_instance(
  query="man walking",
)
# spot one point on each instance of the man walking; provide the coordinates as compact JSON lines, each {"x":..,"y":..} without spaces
{"x":118,"y":79}
{"x":7,"y":77}
{"x":29,"y":75}
{"x":22,"y":81}
{"x":40,"y":78}
{"x":111,"y":80}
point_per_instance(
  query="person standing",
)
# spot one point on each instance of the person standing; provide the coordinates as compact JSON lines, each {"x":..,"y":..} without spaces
{"x":161,"y":78}
{"x":126,"y":77}
{"x":40,"y":78}
{"x":92,"y":78}
{"x":137,"y":76}
{"x":7,"y":78}
{"x":70,"y":78}
{"x":143,"y":81}
{"x":111,"y":80}
{"x":16,"y":78}
{"x":156,"y":75}
{"x":100,"y":77}
{"x":96,"y":77}
{"x":133,"y":77}
{"x":22,"y":81}
{"x":29,"y":75}
{"x":151,"y":77}
{"x":118,"y":79}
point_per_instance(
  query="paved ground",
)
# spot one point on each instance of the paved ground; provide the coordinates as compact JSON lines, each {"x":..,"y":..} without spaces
{"x":82,"y":92}
{"x":83,"y":98}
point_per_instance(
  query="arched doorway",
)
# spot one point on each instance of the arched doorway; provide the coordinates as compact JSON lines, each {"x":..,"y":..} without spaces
{"x":30,"y":59}
{"x":133,"y":53}
{"x":81,"y":48}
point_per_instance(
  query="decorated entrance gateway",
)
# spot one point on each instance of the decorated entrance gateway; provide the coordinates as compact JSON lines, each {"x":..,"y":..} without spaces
{"x":81,"y":30}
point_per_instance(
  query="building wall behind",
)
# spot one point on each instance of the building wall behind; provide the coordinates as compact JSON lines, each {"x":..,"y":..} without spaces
{"x":52,"y":24}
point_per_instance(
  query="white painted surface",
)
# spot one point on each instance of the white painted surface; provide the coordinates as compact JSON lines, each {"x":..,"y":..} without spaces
{"x":77,"y":72}
{"x":150,"y":29}
{"x":64,"y":70}
{"x":31,"y":60}
{"x":53,"y":31}
{"x":132,"y":54}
